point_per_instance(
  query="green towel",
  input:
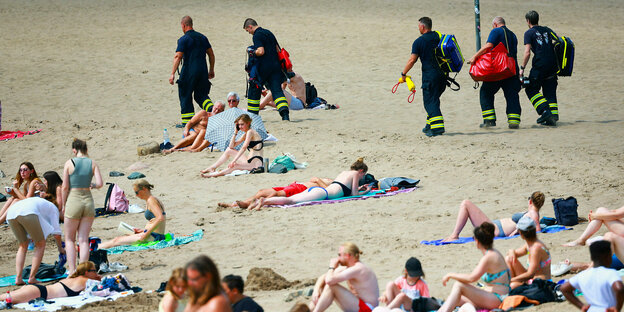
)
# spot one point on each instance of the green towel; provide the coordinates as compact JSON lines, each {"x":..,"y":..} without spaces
{"x":169,"y":241}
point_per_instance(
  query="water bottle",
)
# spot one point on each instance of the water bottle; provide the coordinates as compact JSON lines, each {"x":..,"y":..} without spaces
{"x":165,"y":137}
{"x":9,"y":301}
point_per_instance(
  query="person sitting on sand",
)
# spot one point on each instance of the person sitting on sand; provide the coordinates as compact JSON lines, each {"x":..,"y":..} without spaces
{"x":404,"y":289}
{"x":69,"y":287}
{"x":539,"y":256}
{"x":613,"y":220}
{"x":205,"y":291}
{"x":345,"y":184}
{"x":504,"y":227}
{"x":363,"y":292}
{"x":27,"y":177}
{"x":195,"y":131}
{"x":154,"y":213}
{"x":233,"y":99}
{"x":285,"y":191}
{"x":492,"y":270}
{"x":174,"y":299}
{"x":233,"y":286}
{"x":601,"y":286}
{"x":252,"y":142}
{"x":296,"y":100}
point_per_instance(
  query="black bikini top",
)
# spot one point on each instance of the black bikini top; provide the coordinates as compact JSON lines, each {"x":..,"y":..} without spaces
{"x":252,"y":144}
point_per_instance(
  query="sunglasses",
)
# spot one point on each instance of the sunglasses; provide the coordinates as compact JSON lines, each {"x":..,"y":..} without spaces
{"x":24,"y":169}
{"x":230,"y":101}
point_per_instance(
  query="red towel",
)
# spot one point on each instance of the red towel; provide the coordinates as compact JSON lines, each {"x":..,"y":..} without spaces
{"x":7,"y":135}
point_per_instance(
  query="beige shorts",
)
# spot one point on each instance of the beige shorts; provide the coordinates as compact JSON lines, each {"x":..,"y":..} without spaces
{"x":27,"y":224}
{"x":79,"y":204}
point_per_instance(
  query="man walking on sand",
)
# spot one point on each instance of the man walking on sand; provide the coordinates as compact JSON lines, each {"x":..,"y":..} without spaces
{"x":363,"y":292}
{"x":194,"y":78}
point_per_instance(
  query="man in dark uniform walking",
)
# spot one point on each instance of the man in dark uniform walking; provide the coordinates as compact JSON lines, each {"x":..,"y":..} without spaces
{"x":270,"y":73}
{"x":511,"y":85}
{"x":433,"y":79}
{"x":543,"y":75}
{"x":194,"y":77}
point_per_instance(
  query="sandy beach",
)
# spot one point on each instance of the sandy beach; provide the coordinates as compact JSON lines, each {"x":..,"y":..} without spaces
{"x":98,"y":70}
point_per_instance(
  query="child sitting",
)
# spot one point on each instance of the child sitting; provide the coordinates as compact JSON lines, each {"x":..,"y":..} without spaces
{"x":406,"y":288}
{"x":174,"y":299}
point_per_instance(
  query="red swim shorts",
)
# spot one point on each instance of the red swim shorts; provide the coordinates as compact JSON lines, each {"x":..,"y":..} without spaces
{"x":364,"y":307}
{"x":292,"y":189}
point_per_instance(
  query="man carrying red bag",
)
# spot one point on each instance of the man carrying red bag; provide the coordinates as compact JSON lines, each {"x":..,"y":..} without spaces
{"x":511,"y":86}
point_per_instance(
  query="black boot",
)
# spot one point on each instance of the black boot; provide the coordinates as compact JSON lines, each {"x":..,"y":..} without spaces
{"x":426,"y":128}
{"x":284,"y":114}
{"x":488,"y":123}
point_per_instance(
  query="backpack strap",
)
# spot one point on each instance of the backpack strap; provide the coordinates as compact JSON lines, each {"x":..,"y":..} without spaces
{"x":451,"y":81}
{"x":108,"y":195}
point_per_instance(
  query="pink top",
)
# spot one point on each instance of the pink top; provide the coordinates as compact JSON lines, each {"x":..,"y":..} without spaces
{"x":420,"y":289}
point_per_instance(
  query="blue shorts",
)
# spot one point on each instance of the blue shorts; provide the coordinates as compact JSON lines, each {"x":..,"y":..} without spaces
{"x":158,"y":236}
{"x":296,"y":104}
{"x":616,"y":263}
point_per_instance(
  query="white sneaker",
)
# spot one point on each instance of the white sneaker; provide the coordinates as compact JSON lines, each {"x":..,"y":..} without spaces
{"x":560,"y":269}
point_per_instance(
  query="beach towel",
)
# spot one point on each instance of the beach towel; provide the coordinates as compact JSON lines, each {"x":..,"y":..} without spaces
{"x":463,"y":240}
{"x":8,"y":135}
{"x":73,"y":302}
{"x":169,"y":241}
{"x":10,"y":280}
{"x":371,"y":194}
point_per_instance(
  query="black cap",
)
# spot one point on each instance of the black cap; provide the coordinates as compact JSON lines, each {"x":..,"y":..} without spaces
{"x":413,"y":267}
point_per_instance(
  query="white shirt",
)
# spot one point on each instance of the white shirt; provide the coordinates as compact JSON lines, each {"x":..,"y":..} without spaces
{"x":595,"y":283}
{"x":47,"y":212}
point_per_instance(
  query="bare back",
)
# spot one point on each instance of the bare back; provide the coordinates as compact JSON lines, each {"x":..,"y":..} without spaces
{"x":364,"y":284}
{"x":297,"y":87}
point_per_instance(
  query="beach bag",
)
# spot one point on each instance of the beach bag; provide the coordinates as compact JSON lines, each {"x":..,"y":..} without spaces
{"x":539,"y":290}
{"x":116,"y":200}
{"x":98,"y":257}
{"x":564,"y":52}
{"x":311,"y":93}
{"x":566,"y":211}
{"x":495,"y":65}
{"x":285,"y":161}
{"x":424,"y":304}
{"x":278,"y":168}
{"x":45,"y":271}
{"x":284,"y":59}
{"x":448,"y":54}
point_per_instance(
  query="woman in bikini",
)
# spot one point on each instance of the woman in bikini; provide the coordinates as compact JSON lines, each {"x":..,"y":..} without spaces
{"x":69,"y":287}
{"x":154,"y":214}
{"x":505,"y":226}
{"x":345,"y":184}
{"x":26,"y":178}
{"x":538,"y":264}
{"x":252,"y":142}
{"x":492,"y":270}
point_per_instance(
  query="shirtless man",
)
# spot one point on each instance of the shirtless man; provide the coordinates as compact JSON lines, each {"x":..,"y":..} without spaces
{"x":363,"y":291}
{"x":287,"y":191}
{"x":296,"y":100}
{"x":195,"y":130}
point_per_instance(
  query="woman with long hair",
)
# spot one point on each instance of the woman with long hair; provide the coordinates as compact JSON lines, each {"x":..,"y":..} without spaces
{"x":79,"y":206}
{"x":28,"y":180}
{"x":538,"y":262}
{"x":205,"y":290}
{"x":54,"y":186}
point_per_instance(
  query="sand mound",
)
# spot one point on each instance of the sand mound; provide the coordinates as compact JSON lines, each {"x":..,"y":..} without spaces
{"x":137,"y":302}
{"x":267,"y":279}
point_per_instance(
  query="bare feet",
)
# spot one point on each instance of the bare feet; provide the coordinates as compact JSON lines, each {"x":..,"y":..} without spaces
{"x":225,"y":205}
{"x":19,"y":282}
{"x":574,"y":243}
{"x":209,"y":169}
{"x":33,"y":281}
{"x":204,"y":175}
{"x":168,"y":151}
{"x":450,"y":239}
{"x":259,"y":204}
{"x":242,"y":204}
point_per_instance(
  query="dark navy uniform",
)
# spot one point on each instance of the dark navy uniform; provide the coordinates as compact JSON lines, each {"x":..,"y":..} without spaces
{"x":433,"y":80}
{"x":193,"y":81}
{"x":511,"y":86}
{"x":544,"y":70}
{"x":269,"y":74}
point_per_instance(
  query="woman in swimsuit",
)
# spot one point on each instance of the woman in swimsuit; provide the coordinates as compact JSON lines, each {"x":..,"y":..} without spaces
{"x":27,"y":177}
{"x":492,"y":270}
{"x":69,"y":287}
{"x":613,"y":220}
{"x":345,"y":184}
{"x":539,"y":256}
{"x":154,"y":214}
{"x":504,"y":227}
{"x":252,"y":142}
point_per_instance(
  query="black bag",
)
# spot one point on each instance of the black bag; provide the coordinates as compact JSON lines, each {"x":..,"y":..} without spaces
{"x":424,"y":304}
{"x":278,"y":168}
{"x":98,"y":257}
{"x":311,"y":93}
{"x":566,"y":211}
{"x":564,"y":51}
{"x":45,"y":271}
{"x":540,"y":290}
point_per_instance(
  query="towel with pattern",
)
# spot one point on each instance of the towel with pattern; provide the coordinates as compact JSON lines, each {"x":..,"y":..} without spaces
{"x":8,"y":135}
{"x":169,"y":241}
{"x":371,"y":194}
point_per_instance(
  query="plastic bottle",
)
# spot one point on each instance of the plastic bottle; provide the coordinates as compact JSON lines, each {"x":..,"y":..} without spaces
{"x":166,"y":137}
{"x":9,"y":301}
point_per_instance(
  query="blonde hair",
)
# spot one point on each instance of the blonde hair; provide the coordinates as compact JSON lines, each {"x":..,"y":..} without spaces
{"x":351,"y":249}
{"x":83,"y":268}
{"x":176,"y":275}
{"x":359,"y":165}
{"x":299,"y":307}
{"x":143,"y":184}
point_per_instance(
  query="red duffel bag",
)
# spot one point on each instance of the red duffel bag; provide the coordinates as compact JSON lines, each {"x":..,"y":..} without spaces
{"x":493,"y":66}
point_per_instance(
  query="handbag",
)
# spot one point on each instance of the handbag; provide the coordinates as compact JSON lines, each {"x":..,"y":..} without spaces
{"x":566,"y":211}
{"x":495,"y":65}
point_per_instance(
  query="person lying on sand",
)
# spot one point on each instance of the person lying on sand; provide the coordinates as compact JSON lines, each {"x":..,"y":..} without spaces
{"x":285,"y":191}
{"x":504,"y":227}
{"x":69,"y":287}
{"x":195,"y":131}
{"x":345,"y":184}
{"x":155,"y":215}
{"x":612,"y":220}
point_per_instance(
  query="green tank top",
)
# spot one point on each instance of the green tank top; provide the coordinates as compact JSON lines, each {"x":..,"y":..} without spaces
{"x":83,"y":172}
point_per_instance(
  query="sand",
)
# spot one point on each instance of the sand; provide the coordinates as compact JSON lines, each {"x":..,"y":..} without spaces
{"x":98,"y":71}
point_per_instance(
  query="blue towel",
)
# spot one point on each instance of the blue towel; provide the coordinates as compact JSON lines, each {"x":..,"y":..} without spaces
{"x":10,"y":280}
{"x":175,"y":241}
{"x":463,"y":240}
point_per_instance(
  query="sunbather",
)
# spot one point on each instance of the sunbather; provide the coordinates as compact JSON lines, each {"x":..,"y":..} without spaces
{"x":287,"y":191}
{"x":154,"y":213}
{"x":195,"y":131}
{"x":492,"y":270}
{"x":504,"y":227}
{"x":612,"y":220}
{"x":538,"y":263}
{"x":251,"y":142}
{"x":174,"y":299}
{"x":404,"y":289}
{"x":345,"y":184}
{"x":26,"y":178}
{"x":69,"y":287}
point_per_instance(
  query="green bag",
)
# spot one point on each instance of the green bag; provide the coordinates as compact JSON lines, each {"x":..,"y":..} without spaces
{"x":285,"y":161}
